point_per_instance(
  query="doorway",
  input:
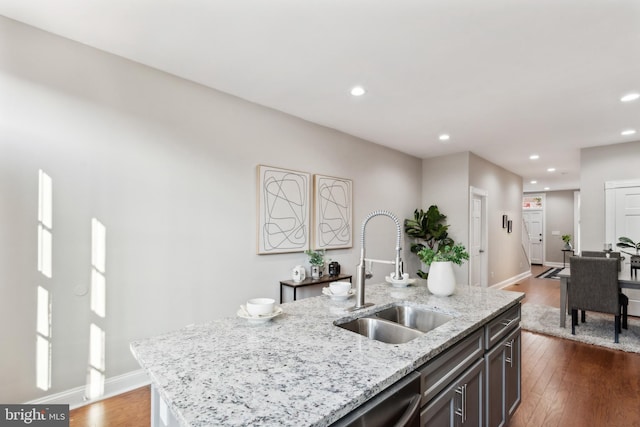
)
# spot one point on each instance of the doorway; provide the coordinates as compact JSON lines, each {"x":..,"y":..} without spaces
{"x":534,"y":221}
{"x":478,"y":250}
{"x":622,"y":218}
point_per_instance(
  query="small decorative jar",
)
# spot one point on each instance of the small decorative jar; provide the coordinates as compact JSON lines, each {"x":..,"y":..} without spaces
{"x":316,"y":271}
{"x":298,"y":274}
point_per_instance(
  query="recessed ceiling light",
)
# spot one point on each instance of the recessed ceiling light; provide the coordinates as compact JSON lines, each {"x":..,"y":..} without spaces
{"x":444,"y":137}
{"x":358,"y":91}
{"x":534,"y":157}
{"x":628,"y":132}
{"x":551,"y":169}
{"x":547,"y":188}
{"x":534,"y":182}
{"x":630,"y":97}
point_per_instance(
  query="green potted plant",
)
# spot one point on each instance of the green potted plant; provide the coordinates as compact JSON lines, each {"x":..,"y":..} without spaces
{"x":566,"y":238}
{"x":441,"y":280}
{"x":455,"y":254}
{"x":316,"y":259}
{"x":625,"y":242}
{"x":429,"y":230}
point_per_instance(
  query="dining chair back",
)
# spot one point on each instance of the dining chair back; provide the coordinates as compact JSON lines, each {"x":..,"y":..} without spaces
{"x":594,"y":287}
{"x":602,"y":254}
{"x":623,"y":298}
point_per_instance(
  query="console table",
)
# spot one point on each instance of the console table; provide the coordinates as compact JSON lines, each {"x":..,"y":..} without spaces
{"x":564,"y":255}
{"x":309,"y":282}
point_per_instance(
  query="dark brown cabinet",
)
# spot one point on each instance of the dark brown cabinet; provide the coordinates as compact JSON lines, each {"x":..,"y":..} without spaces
{"x":503,"y":380}
{"x":477,"y":381}
{"x":461,"y":403}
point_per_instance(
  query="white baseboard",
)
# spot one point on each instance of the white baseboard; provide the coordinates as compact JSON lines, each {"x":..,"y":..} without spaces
{"x":511,"y":280}
{"x":113,"y":386}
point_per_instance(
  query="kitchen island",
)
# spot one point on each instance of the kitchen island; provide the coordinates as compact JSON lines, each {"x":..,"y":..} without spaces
{"x":299,"y":369}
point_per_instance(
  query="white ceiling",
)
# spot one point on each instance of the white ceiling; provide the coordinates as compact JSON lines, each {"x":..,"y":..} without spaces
{"x":505,"y":78}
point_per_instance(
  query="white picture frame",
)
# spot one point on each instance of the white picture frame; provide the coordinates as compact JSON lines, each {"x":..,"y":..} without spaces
{"x":283,"y":210}
{"x":333,"y":212}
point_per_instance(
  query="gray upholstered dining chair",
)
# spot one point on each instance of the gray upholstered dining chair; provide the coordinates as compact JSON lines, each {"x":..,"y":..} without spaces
{"x":624,"y":300}
{"x":594,"y":287}
{"x":602,"y":254}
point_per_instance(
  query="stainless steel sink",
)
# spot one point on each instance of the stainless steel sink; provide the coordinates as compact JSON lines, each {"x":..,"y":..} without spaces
{"x":381,"y":330}
{"x":397,"y":324}
{"x":416,"y":318}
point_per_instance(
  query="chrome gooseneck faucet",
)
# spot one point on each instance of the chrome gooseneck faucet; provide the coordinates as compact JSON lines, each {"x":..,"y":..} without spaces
{"x":362,"y":273}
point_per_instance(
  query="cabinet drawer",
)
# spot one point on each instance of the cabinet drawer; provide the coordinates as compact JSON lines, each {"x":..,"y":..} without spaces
{"x":441,"y":371}
{"x":501,"y":326}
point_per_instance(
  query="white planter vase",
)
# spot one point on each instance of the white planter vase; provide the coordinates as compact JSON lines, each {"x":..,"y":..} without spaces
{"x":441,"y":281}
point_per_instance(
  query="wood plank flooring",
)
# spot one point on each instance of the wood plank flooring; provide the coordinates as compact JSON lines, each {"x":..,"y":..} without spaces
{"x":131,"y":409}
{"x":564,"y":383}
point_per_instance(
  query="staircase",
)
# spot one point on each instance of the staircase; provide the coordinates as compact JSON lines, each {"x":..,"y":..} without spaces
{"x":526,"y":242}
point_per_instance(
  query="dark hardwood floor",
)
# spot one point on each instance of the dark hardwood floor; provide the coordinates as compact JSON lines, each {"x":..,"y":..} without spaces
{"x":564,"y":383}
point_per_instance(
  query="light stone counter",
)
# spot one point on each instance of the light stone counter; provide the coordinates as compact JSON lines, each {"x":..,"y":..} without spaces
{"x":299,"y":369}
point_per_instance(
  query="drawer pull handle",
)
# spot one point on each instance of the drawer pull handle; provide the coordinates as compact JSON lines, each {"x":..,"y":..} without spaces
{"x":509,"y":359}
{"x":462,"y":412}
{"x":412,"y":409}
{"x":508,"y":323}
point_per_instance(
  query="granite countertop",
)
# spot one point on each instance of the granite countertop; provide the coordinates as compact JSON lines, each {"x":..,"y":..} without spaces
{"x":299,"y":369}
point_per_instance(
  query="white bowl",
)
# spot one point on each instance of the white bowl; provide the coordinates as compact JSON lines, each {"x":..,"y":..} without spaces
{"x":340,"y":288}
{"x":260,"y":306}
{"x":334,"y":297}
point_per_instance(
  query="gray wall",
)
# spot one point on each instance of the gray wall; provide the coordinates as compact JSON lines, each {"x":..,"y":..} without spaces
{"x":169,"y":168}
{"x":598,"y":165}
{"x":446,"y":181}
{"x":504,"y":188}
{"x":558,"y":217}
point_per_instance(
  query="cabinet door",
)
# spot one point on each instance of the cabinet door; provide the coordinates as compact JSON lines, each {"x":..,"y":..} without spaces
{"x":459,"y":404}
{"x":513,"y":373}
{"x":495,"y":385}
{"x":441,"y":411}
{"x":503,"y":379}
{"x":474,"y":389}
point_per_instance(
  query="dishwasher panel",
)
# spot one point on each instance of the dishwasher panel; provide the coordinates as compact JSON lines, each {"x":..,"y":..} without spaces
{"x":398,"y":406}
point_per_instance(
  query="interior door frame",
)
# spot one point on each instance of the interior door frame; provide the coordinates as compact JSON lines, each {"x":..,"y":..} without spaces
{"x":543,"y":210}
{"x":611,"y":221}
{"x":484,"y":225}
{"x":577,"y":235}
{"x":610,"y":206}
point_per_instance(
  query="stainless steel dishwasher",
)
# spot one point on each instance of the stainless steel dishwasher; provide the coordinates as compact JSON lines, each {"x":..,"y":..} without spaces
{"x":397,"y":406}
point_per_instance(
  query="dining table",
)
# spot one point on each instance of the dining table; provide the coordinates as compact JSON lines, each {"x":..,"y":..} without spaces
{"x":625,"y":280}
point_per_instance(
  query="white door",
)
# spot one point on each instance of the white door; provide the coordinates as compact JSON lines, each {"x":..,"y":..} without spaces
{"x":533,"y":221}
{"x":626,"y":222}
{"x":477,"y":239}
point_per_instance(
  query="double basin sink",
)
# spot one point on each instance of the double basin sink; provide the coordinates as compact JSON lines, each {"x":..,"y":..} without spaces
{"x":397,"y":324}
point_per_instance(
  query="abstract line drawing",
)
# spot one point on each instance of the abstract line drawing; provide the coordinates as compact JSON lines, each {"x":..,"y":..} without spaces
{"x":332,"y":213}
{"x":283,"y":220}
